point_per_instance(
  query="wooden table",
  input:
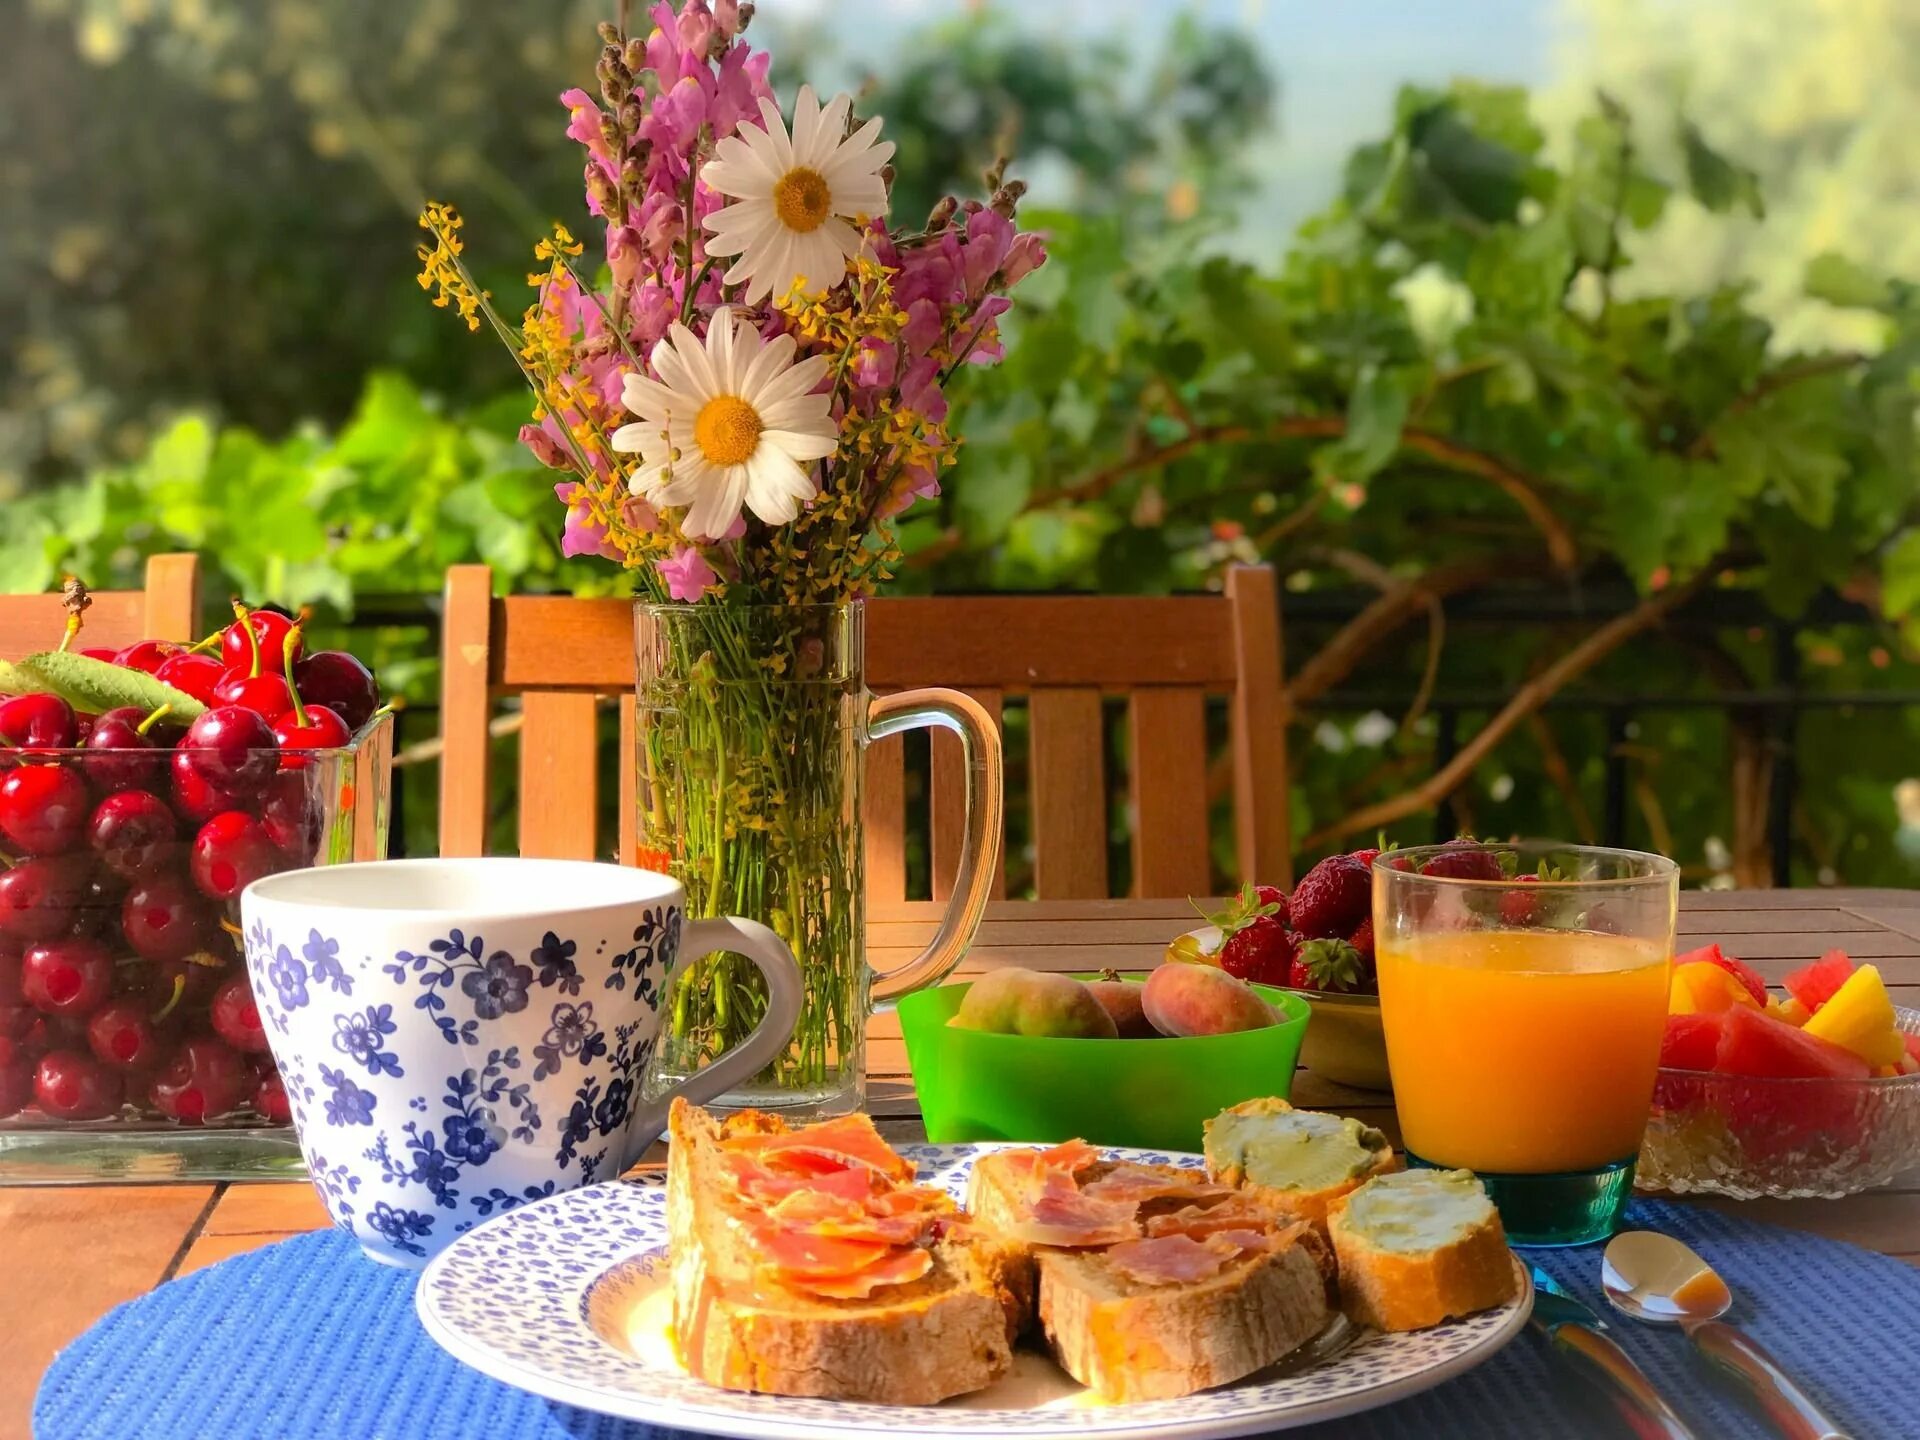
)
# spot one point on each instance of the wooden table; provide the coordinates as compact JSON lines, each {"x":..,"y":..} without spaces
{"x":67,"y":1255}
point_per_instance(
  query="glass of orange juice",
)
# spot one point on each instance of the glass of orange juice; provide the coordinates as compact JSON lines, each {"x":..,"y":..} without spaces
{"x":1523,"y":989}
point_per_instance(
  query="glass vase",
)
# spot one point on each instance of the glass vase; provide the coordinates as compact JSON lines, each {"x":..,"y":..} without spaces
{"x":751,"y":726}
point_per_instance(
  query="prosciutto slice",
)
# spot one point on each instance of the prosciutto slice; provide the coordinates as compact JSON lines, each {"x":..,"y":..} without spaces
{"x":831,"y":1145}
{"x":1168,"y":1260}
{"x":1137,"y":1184}
{"x":1200,"y":1222}
{"x":901,"y":1267}
{"x":1058,"y":1212}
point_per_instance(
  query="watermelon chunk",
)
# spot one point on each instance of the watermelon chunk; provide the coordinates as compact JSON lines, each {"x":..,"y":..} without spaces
{"x":1913,"y":1046}
{"x":1813,"y":985}
{"x":1752,"y":1042}
{"x":1739,"y":969}
{"x":1692,"y":1042}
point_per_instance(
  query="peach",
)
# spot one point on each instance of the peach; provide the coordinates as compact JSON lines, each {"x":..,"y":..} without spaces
{"x":1122,"y":999}
{"x":1200,"y":1000}
{"x":1031,"y":1002}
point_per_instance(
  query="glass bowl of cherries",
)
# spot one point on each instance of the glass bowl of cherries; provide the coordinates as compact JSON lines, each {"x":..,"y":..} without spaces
{"x":141,"y":791}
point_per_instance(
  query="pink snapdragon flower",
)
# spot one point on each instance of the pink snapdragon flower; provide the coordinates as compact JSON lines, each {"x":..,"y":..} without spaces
{"x":583,"y":535}
{"x":687,"y":573}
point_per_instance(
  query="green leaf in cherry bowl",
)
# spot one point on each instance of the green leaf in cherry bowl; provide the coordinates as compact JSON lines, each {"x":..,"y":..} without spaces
{"x":95,"y":686}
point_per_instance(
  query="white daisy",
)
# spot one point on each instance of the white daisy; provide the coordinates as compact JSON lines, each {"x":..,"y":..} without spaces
{"x":795,"y":196}
{"x":729,"y":422}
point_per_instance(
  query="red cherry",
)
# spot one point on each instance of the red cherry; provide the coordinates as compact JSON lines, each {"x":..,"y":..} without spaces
{"x":10,"y":991}
{"x":270,"y":630}
{"x":194,"y":675}
{"x":270,"y":1099}
{"x":123,"y":1035}
{"x":71,"y":1085}
{"x":265,"y":695}
{"x":338,"y":681}
{"x":291,"y":821}
{"x":164,"y":920}
{"x":231,"y":748}
{"x":66,"y":977}
{"x":43,"y":808}
{"x":324,"y":730}
{"x":194,"y":797}
{"x":16,"y":1086}
{"x":148,"y":655}
{"x":232,"y":851}
{"x":128,"y":757}
{"x":36,"y":722}
{"x":133,"y":833}
{"x":39,"y":898}
{"x":236,"y":1019}
{"x":203,"y":1080}
{"x":100,"y":653}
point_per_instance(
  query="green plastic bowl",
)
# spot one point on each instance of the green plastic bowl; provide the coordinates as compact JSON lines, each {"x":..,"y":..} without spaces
{"x":1152,"y":1094}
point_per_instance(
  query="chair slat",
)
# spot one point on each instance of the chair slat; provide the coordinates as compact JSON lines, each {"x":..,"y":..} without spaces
{"x":558,"y":767}
{"x":173,"y":597}
{"x":883,"y":808}
{"x":1167,"y":778}
{"x":949,"y":805}
{"x":1259,"y":721}
{"x":1068,"y":785}
{"x":164,"y":610}
{"x":629,"y":852}
{"x":465,"y":709}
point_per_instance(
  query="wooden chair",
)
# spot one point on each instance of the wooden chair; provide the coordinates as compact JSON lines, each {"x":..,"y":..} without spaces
{"x":1062,"y":654}
{"x":167,"y":609}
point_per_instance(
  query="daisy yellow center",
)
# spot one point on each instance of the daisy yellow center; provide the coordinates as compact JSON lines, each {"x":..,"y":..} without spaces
{"x":802,"y":200}
{"x":727,"y":430}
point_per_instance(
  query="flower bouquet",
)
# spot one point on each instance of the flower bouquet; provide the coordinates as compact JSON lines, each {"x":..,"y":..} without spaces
{"x":741,"y":398}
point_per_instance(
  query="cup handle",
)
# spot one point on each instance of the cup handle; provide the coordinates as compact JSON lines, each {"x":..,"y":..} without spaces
{"x":775,"y":961}
{"x":980,"y":857}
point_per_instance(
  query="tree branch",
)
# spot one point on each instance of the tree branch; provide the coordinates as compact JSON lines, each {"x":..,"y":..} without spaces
{"x":1529,"y":697}
{"x":1770,"y":384}
{"x":1338,"y":658}
{"x":1522,"y":489}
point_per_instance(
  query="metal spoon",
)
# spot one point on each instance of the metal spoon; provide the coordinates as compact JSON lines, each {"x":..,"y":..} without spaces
{"x":1659,"y":1279}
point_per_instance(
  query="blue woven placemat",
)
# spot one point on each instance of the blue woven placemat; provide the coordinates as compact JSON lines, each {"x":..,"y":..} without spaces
{"x":307,"y":1338}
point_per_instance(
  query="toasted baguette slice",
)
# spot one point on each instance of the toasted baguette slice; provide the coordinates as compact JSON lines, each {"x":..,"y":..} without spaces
{"x":945,"y":1334}
{"x":1299,"y":1161}
{"x":1420,"y":1247}
{"x":1129,"y":1341}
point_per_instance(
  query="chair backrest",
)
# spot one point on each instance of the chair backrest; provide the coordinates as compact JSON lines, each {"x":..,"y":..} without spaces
{"x":1060,"y":655}
{"x":165,"y":610}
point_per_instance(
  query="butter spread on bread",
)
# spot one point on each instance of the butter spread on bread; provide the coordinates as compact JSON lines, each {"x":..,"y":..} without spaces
{"x":1300,"y":1160}
{"x":1418,"y":1248}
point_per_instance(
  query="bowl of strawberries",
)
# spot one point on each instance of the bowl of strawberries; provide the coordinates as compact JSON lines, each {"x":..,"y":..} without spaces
{"x":141,"y":790}
{"x":1318,"y":943}
{"x":1810,"y":1091}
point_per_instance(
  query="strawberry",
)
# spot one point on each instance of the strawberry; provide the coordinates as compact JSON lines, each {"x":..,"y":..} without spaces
{"x":1463,"y":860}
{"x":1366,"y":857}
{"x":1517,"y":907}
{"x":1332,"y":898}
{"x":1362,"y":940}
{"x":1326,"y":965}
{"x":1257,"y":946}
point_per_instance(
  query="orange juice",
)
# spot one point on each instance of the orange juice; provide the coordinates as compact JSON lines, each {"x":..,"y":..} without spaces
{"x":1523,"y":1051}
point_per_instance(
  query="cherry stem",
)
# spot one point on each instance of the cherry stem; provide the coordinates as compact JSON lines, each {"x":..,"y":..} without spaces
{"x":245,"y":616}
{"x":75,"y":600}
{"x":207,"y":644}
{"x":152,"y":720}
{"x":179,"y":989}
{"x":286,"y":656}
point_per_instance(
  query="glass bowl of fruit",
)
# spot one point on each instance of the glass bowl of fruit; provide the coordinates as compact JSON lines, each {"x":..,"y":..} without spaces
{"x":1318,"y":944}
{"x":140,"y":793}
{"x":1814,"y":1091}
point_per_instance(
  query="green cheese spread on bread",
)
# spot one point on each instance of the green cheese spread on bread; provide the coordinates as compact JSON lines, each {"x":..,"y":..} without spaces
{"x":1286,"y":1149}
{"x":1418,"y":1210}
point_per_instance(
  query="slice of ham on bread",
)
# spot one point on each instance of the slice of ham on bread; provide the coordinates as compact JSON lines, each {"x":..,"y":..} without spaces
{"x":1154,"y":1282}
{"x":792,"y":1279}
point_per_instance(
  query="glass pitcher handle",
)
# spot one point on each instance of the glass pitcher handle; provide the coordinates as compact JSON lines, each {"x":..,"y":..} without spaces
{"x":979,"y":857}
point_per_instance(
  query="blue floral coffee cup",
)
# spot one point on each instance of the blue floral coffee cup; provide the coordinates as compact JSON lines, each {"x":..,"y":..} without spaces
{"x":459,"y":1037}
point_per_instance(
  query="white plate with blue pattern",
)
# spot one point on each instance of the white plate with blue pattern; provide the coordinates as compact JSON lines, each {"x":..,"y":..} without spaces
{"x":566,"y":1297}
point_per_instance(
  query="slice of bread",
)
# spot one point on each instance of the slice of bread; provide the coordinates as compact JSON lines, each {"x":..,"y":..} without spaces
{"x":1130,"y":1341}
{"x":946,"y":1333}
{"x":1300,"y":1161}
{"x":1418,"y":1248}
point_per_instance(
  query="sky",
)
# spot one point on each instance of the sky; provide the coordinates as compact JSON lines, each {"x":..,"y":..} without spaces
{"x":1339,"y":62}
